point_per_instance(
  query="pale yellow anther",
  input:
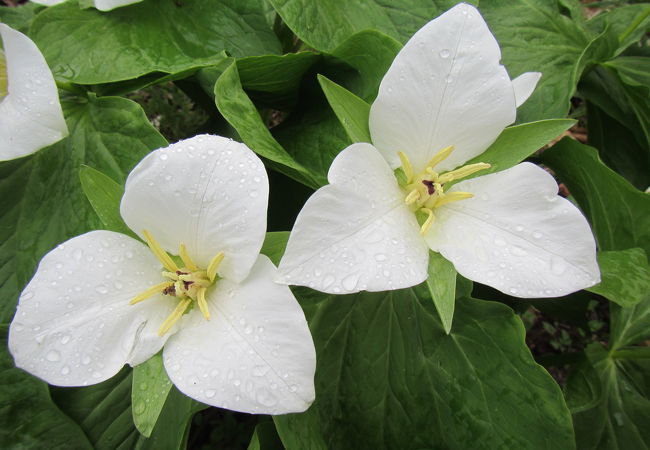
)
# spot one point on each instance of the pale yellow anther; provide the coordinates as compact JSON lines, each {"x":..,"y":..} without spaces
{"x":153,"y":290}
{"x":427,"y":223}
{"x":203,"y":305}
{"x":406,"y":166}
{"x":157,"y":250}
{"x":413,"y":197}
{"x":187,"y":260}
{"x":463,"y":172}
{"x":214,"y":266}
{"x":453,"y":197}
{"x":174,"y":316}
{"x":440,"y":156}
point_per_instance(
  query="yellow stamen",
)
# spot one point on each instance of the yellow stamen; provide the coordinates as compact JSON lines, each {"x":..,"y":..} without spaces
{"x":174,"y":316}
{"x":440,"y":156}
{"x":453,"y":197}
{"x":157,"y":250}
{"x":427,"y":223}
{"x":187,"y":260}
{"x":151,"y":291}
{"x":413,"y":197}
{"x":406,"y":166}
{"x":462,"y":172}
{"x":203,"y":305}
{"x":214,"y":265}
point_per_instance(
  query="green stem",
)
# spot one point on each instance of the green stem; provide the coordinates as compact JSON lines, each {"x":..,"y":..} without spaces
{"x":634,"y":25}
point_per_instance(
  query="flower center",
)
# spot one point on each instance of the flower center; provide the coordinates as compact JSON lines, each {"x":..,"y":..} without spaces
{"x":3,"y":75}
{"x":188,"y":283}
{"x":425,"y":191}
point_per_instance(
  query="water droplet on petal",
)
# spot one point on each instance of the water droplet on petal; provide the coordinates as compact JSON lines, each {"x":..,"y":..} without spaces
{"x":444,"y":53}
{"x":53,"y":356}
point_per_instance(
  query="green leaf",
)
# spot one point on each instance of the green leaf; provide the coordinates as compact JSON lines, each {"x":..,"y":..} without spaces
{"x":370,"y":53}
{"x":20,"y":17}
{"x":518,"y":142}
{"x":617,"y":145}
{"x":87,"y":46}
{"x":620,"y":418}
{"x":351,"y":111}
{"x":41,"y":195}
{"x":149,"y":392}
{"x":274,"y":244}
{"x":618,"y":213}
{"x":583,"y":389}
{"x":104,"y":195}
{"x":625,"y":276}
{"x":630,"y":325}
{"x":240,"y":112}
{"x":28,"y":417}
{"x":265,"y":437}
{"x":275,"y":80}
{"x":104,"y":413}
{"x":442,"y":287}
{"x":628,"y":22}
{"x":536,"y":36}
{"x":325,"y":24}
{"x":390,"y":377}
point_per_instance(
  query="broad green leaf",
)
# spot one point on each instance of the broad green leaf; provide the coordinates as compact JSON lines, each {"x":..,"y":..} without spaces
{"x":535,"y":36}
{"x":41,"y":195}
{"x":442,"y":287}
{"x":390,"y":377}
{"x":370,"y":53}
{"x":275,"y":80}
{"x":583,"y":390}
{"x":630,"y":325}
{"x":20,"y":17}
{"x":28,"y":417}
{"x":618,"y":213}
{"x":149,"y":391}
{"x":620,"y":418}
{"x":632,"y":71}
{"x":313,"y":135}
{"x":618,"y":147}
{"x":518,"y":142}
{"x":265,"y":437}
{"x":351,"y":111}
{"x":240,"y":112}
{"x":628,"y":22}
{"x":104,"y":195}
{"x":327,"y":23}
{"x":87,"y":46}
{"x":104,"y":413}
{"x":625,"y":276}
{"x":274,"y":245}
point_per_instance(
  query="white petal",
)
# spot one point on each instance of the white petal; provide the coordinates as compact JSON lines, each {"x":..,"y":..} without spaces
{"x":445,"y":87}
{"x":517,"y":235}
{"x":107,"y":5}
{"x":524,"y":85}
{"x":207,"y":192}
{"x":356,"y":233}
{"x":74,"y":325}
{"x":255,"y":355}
{"x":30,"y":115}
{"x":48,"y":2}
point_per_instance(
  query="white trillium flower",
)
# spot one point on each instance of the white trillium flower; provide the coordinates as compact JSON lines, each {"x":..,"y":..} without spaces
{"x":30,"y":113}
{"x":232,"y":337}
{"x":443,"y":101}
{"x":102,"y":5}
